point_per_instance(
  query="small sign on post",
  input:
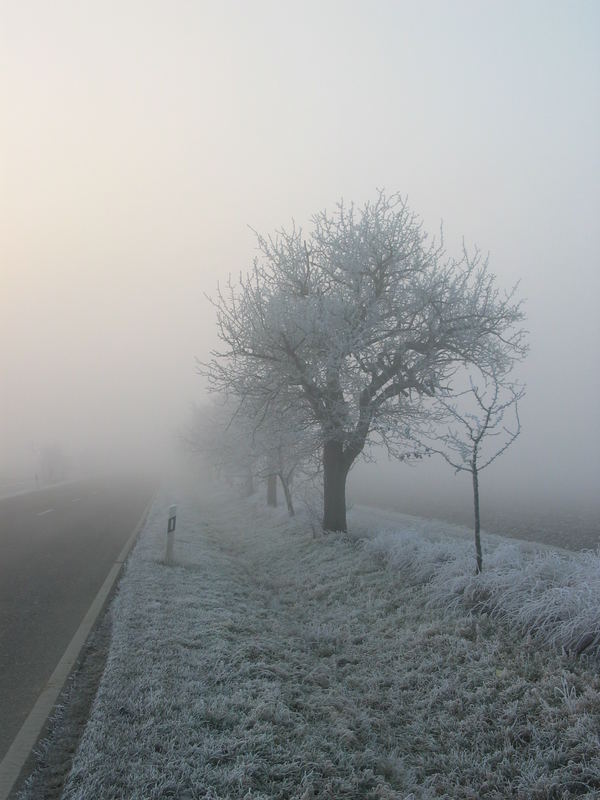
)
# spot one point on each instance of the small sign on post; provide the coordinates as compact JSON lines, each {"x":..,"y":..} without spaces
{"x":171,"y":533}
{"x":172,"y":518}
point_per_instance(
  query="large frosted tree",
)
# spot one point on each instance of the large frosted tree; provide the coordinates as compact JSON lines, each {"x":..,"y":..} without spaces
{"x":357,"y":320}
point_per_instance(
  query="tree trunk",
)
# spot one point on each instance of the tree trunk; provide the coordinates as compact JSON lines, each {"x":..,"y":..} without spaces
{"x":477,"y":524}
{"x":248,"y":484}
{"x":272,"y":491}
{"x":288,"y":495}
{"x":335,"y":472}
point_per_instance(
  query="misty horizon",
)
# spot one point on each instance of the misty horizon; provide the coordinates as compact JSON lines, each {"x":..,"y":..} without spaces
{"x":143,"y":149}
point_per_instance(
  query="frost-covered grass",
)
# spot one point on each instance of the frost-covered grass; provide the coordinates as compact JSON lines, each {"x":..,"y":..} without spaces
{"x":549,"y":596}
{"x":272,"y":664}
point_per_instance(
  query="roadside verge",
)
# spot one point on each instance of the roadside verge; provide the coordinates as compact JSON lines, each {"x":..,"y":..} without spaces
{"x":20,"y":750}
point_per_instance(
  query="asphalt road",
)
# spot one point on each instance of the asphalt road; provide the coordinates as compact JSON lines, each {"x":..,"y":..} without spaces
{"x":56,"y":548}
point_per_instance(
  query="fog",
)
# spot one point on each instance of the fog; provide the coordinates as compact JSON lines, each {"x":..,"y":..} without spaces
{"x":141,"y":141}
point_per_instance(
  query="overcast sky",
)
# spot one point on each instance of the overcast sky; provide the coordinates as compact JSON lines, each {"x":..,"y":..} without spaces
{"x":139,"y":140}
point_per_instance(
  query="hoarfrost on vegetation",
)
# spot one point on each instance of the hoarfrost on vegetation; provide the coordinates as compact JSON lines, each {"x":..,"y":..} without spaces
{"x":270,"y":664}
{"x":551,"y":597}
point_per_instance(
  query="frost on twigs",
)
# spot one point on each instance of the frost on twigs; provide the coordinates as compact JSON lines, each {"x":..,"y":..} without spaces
{"x":355,"y":322}
{"x":469,"y":429}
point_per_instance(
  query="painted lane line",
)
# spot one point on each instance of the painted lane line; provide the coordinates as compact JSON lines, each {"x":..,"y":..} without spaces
{"x":47,"y":511}
{"x":20,"y":750}
{"x":76,"y":500}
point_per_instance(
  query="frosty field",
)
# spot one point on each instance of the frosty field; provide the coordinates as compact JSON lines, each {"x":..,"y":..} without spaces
{"x":268,"y":663}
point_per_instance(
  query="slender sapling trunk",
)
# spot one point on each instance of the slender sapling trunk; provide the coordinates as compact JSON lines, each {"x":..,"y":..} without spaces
{"x":288,"y":495}
{"x":272,"y":491}
{"x":476,"y":509}
{"x":249,"y":485}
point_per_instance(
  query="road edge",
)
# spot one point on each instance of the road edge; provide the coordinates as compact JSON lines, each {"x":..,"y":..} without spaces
{"x":19,"y":752}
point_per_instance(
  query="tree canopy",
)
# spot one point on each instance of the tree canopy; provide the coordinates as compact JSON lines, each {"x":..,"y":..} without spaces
{"x":356,"y":321}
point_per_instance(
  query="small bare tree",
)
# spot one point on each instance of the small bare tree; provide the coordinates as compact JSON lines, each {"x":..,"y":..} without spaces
{"x":476,"y":434}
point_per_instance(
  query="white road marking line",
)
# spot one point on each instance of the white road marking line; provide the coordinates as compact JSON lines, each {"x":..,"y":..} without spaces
{"x":19,"y":751}
{"x":47,"y":511}
{"x":76,"y":500}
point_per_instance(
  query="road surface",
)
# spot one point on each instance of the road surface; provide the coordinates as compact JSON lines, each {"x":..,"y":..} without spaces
{"x":56,"y":548}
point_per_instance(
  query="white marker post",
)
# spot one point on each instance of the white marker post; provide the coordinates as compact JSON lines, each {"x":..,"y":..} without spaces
{"x":171,"y":533}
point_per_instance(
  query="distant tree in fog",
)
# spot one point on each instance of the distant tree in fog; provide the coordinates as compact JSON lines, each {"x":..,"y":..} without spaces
{"x":244,"y":443}
{"x":210,"y":436}
{"x":358,"y":321}
{"x":474,"y":432}
{"x":282,"y":441}
{"x":54,"y":464}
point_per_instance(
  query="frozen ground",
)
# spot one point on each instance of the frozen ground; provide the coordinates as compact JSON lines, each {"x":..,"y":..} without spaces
{"x":271,"y":664}
{"x":556,"y":521}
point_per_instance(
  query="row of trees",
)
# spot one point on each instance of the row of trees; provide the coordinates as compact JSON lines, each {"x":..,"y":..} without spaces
{"x":239,"y":443}
{"x":359,"y":332}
